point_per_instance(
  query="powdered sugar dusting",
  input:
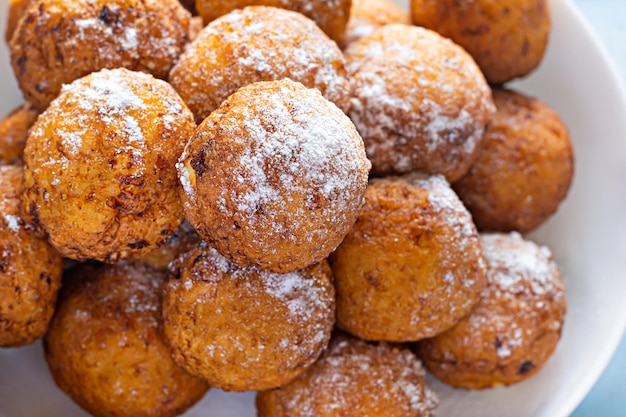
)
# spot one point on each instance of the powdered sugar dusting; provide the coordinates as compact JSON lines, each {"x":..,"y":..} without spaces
{"x":295,"y":150}
{"x":110,"y":95}
{"x":122,"y":39}
{"x":13,"y":222}
{"x":308,"y":139}
{"x":445,"y":201}
{"x":352,"y":370}
{"x":102,"y":143}
{"x":451,"y":213}
{"x":298,"y":309}
{"x":184,"y":176}
{"x":140,"y":294}
{"x":298,"y":291}
{"x":518,"y":265}
{"x":415,"y":97}
{"x":263,"y":44}
{"x":523,"y":299}
{"x":10,"y":181}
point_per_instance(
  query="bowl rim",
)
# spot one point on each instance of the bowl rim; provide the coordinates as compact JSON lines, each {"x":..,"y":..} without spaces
{"x":609,"y":345}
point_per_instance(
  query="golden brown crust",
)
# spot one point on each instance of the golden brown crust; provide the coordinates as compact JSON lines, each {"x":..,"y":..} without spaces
{"x":412,"y":265}
{"x":30,"y":270}
{"x":106,"y":348}
{"x":275,"y":177}
{"x":17,"y":8}
{"x":368,"y":15}
{"x":245,"y":329}
{"x":515,"y":327}
{"x":231,"y":53}
{"x":524,"y":168}
{"x":354,"y":379}
{"x":60,"y":41}
{"x":507,"y":38}
{"x":419,"y":101}
{"x":100,"y":176}
{"x":330,"y":16}
{"x":195,"y":26}
{"x":181,"y":241}
{"x":14,"y":132}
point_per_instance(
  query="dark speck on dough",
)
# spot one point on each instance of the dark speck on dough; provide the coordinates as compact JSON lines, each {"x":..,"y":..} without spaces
{"x":526,"y":367}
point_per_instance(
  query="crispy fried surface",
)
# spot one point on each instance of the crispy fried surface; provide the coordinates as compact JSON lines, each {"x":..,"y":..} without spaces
{"x":106,"y":348}
{"x":419,"y":101}
{"x":524,"y":167}
{"x":507,"y":38}
{"x":14,"y":132}
{"x":412,"y":265}
{"x":354,"y":379}
{"x":330,"y":16}
{"x":245,"y":329}
{"x":100,"y":176}
{"x":368,"y":15}
{"x":258,"y":44}
{"x":179,"y":242}
{"x":17,"y":8}
{"x":515,"y":327}
{"x":275,"y":177}
{"x":60,"y":41}
{"x":30,"y":270}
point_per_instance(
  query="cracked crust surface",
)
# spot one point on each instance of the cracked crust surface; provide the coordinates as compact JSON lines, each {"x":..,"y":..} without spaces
{"x":100,"y":178}
{"x":412,"y":266}
{"x":507,"y":38}
{"x":106,"y":347}
{"x":275,"y":176}
{"x":524,"y":167}
{"x":58,"y":41}
{"x":30,"y":270}
{"x":514,"y":329}
{"x":355,"y":379}
{"x":258,"y":44}
{"x":242,"y":328}
{"x":418,"y":100}
{"x":14,"y":133}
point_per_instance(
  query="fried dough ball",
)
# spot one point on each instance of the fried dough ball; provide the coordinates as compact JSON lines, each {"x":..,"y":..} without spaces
{"x":243,"y":328}
{"x":258,"y":44}
{"x":30,"y":270}
{"x":100,"y":166}
{"x":412,"y":265}
{"x":275,"y":177}
{"x":181,"y":241}
{"x":354,"y":379}
{"x":330,"y":16}
{"x":17,"y":8}
{"x":507,"y":38}
{"x":524,"y":167}
{"x":368,"y":15}
{"x":14,"y":132}
{"x":59,"y":41}
{"x":515,"y":327}
{"x":106,"y":348}
{"x":418,"y":100}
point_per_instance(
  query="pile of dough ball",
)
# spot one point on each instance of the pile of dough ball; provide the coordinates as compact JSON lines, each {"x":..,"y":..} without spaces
{"x":315,"y":200}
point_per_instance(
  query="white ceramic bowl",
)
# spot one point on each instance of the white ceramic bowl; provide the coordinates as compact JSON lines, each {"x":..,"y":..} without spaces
{"x":588,"y":238}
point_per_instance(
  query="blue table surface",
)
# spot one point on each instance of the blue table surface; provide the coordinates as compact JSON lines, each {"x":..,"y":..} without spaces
{"x":608,"y":397}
